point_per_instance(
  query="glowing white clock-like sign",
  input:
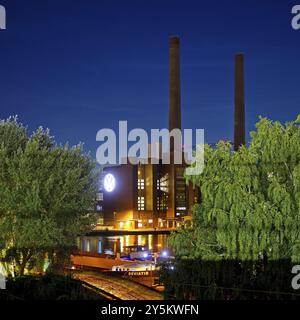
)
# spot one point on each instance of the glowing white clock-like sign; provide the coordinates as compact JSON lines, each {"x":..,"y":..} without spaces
{"x":109,"y":182}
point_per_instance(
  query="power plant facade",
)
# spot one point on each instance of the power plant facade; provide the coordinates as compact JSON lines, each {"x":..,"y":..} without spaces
{"x":156,"y":196}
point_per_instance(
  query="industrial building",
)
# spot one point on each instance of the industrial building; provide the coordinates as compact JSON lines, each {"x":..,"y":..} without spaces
{"x":156,"y":196}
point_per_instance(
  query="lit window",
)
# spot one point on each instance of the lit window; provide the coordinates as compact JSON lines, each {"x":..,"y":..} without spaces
{"x":141,"y":184}
{"x":140,"y":225}
{"x":150,"y":221}
{"x":98,"y":207}
{"x":88,"y":245}
{"x":141,"y":203}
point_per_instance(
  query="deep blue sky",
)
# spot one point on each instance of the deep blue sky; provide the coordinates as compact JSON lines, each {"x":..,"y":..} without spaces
{"x":77,"y":66}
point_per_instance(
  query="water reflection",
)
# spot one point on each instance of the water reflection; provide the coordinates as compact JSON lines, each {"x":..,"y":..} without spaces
{"x":116,"y":244}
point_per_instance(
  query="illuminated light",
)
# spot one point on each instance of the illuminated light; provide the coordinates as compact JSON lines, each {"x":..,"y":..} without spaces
{"x":109,"y":182}
{"x":109,"y":251}
{"x":122,"y":244}
{"x":127,"y":240}
{"x":88,"y":245}
{"x":140,"y":225}
{"x":145,"y":255}
{"x":150,"y":221}
{"x":128,"y":224}
{"x":121,"y":224}
{"x":140,"y":239}
{"x":45,"y":267}
{"x":164,"y":253}
{"x":150,"y":241}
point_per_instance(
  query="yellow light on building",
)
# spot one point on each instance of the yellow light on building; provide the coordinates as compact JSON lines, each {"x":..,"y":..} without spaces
{"x":127,"y":240}
{"x":122,"y":244}
{"x":150,"y":241}
{"x":128,"y":225}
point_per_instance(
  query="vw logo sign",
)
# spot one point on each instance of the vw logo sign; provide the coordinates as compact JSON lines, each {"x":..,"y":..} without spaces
{"x":109,"y":182}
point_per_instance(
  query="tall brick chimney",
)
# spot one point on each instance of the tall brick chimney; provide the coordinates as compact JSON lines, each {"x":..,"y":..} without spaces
{"x":174,"y":93}
{"x":174,"y":120}
{"x":239,"y":102}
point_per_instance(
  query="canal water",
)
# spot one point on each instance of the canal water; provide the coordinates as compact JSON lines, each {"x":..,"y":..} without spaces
{"x":116,"y":243}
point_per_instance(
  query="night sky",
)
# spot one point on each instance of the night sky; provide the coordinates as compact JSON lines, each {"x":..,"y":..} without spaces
{"x":77,"y":66}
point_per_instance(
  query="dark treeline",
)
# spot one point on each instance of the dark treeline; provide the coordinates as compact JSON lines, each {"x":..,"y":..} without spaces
{"x":48,"y":287}
{"x":229,"y":280}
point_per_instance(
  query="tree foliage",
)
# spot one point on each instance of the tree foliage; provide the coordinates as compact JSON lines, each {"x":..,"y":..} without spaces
{"x":46,"y":193}
{"x":250,"y":206}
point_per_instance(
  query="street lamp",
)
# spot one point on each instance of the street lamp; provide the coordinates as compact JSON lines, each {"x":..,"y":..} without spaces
{"x":165,"y":254}
{"x":155,"y":258}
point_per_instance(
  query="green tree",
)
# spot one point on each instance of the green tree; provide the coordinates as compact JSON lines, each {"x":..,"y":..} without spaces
{"x":46,"y":194}
{"x":250,"y":207}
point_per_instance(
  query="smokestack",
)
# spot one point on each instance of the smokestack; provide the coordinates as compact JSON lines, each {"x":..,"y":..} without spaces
{"x":239,"y":103}
{"x":174,"y":94}
{"x":174,"y":118}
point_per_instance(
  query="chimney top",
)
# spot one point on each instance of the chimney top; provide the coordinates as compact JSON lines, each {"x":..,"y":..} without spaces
{"x":174,"y":84}
{"x":174,"y":41}
{"x":239,"y":56}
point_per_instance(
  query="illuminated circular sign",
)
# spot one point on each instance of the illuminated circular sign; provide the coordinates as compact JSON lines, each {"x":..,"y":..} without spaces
{"x":109,"y":182}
